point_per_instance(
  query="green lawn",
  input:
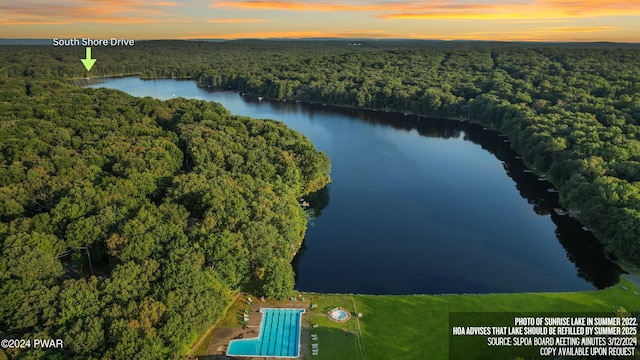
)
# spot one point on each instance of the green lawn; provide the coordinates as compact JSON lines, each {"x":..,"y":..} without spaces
{"x":417,"y":326}
{"x":234,"y":315}
{"x":203,"y":346}
{"x":335,"y":340}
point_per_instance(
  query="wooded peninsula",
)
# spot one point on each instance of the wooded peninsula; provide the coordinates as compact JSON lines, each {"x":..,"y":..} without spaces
{"x":127,"y":224}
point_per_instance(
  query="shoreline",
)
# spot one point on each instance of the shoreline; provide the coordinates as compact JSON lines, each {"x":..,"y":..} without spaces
{"x":421,"y":312}
{"x":338,"y":106}
{"x":624,"y":265}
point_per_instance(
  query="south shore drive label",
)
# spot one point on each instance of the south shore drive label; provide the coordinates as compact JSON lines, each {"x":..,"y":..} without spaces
{"x":93,"y":42}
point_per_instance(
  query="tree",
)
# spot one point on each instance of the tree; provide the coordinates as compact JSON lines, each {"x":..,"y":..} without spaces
{"x":278,"y":279}
{"x":30,"y":256}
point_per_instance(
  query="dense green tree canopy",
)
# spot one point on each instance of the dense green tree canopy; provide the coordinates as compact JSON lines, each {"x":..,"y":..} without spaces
{"x":98,"y":175}
{"x":96,"y":189}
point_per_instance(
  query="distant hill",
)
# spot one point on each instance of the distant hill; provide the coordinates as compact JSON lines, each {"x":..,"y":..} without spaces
{"x":25,"y":41}
{"x":399,"y":41}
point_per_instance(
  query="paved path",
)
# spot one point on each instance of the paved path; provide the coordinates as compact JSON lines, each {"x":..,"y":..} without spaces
{"x":634,"y":278}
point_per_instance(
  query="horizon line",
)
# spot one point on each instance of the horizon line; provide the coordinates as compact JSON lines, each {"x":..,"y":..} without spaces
{"x":349,"y":39}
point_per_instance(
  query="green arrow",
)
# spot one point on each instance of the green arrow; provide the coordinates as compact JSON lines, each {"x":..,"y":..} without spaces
{"x":88,"y":61}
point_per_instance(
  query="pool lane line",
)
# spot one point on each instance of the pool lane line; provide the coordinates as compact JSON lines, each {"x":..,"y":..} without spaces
{"x":279,"y":336}
{"x":296,"y":334}
{"x":286,"y":335}
{"x":265,"y":332}
{"x":274,"y":330}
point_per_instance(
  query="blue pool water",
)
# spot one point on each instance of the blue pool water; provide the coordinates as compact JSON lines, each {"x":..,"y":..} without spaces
{"x":338,"y":314}
{"x":279,"y":335}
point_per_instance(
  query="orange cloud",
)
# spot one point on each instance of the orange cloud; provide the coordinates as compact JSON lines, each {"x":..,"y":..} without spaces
{"x":442,"y":9}
{"x":377,"y":34}
{"x":542,"y":34}
{"x":535,"y":9}
{"x":234,"y":21}
{"x":577,"y":29}
{"x":31,"y":12}
{"x":264,"y":34}
{"x":297,"y":5}
{"x":590,"y":8}
{"x":111,"y":20}
{"x":390,"y":18}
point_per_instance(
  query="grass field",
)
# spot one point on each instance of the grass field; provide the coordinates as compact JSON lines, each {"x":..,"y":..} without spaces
{"x":417,"y":326}
{"x":335,"y":340}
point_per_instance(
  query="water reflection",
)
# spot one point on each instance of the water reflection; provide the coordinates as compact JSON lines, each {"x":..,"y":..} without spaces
{"x":592,"y":262}
{"x":417,"y":206}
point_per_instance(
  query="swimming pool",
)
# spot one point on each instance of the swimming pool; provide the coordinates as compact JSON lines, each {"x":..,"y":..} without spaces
{"x":279,"y":335}
{"x":339,"y":315}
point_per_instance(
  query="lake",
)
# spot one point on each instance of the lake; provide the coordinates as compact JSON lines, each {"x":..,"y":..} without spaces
{"x":418,"y":205}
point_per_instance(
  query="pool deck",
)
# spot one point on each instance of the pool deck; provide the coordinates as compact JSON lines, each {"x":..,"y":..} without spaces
{"x":220,"y":341}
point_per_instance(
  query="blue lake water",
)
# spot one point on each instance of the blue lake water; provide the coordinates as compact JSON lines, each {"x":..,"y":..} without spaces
{"x":419,"y":205}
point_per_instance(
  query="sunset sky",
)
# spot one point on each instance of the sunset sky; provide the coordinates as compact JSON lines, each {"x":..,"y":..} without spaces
{"x":515,"y":20}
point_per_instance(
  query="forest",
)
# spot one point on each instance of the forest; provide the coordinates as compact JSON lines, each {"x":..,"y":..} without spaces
{"x":98,"y":175}
{"x":128,"y":224}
